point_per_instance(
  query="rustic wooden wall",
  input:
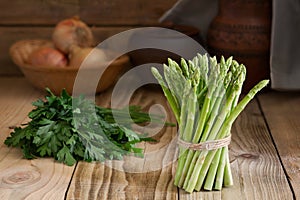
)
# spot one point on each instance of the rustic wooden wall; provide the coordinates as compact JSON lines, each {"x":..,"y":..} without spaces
{"x":32,"y":19}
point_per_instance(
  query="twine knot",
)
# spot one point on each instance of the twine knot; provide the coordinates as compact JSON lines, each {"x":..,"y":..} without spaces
{"x":207,"y":145}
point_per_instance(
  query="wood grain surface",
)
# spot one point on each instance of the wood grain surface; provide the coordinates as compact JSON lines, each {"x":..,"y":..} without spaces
{"x":21,"y":178}
{"x":282,"y":112}
{"x":94,"y":12}
{"x":257,"y":170}
{"x":259,"y":154}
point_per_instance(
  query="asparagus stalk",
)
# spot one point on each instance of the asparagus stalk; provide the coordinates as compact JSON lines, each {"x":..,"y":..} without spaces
{"x":204,"y":66}
{"x":176,"y":87}
{"x":182,"y":151}
{"x":185,"y":68}
{"x":213,"y":170}
{"x":170,"y":98}
{"x":220,"y":173}
{"x":228,"y":180}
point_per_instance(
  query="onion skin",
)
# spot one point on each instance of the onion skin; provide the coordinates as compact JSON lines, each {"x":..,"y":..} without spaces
{"x":95,"y":57}
{"x":70,"y":32}
{"x":47,"y":56}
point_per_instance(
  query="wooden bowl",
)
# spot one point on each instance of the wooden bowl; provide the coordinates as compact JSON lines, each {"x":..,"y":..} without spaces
{"x":57,"y":78}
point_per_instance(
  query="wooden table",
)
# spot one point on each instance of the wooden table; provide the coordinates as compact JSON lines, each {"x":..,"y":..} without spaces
{"x":264,"y":154}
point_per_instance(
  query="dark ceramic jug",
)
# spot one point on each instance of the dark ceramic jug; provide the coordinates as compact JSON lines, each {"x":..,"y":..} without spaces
{"x":242,"y":29}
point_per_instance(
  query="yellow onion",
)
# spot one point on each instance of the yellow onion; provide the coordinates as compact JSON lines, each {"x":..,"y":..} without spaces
{"x":70,"y":32}
{"x":95,"y":57}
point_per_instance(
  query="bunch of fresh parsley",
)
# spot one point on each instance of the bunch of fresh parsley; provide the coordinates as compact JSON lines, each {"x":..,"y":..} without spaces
{"x":74,"y":128}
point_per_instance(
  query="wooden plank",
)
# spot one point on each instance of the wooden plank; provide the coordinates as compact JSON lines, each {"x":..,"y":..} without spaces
{"x":118,"y":12}
{"x":282,"y":113}
{"x":94,"y":12}
{"x":257,"y":172}
{"x":21,"y":178}
{"x":16,"y":95}
{"x":133,"y":178}
{"x":97,"y":181}
{"x":10,"y":35}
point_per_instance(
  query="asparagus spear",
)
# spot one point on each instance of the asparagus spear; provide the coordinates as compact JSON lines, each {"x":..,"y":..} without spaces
{"x":170,"y":98}
{"x":220,"y":172}
{"x":213,"y":170}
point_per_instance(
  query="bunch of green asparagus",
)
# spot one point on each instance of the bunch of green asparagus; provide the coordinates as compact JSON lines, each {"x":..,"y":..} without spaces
{"x":204,"y":96}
